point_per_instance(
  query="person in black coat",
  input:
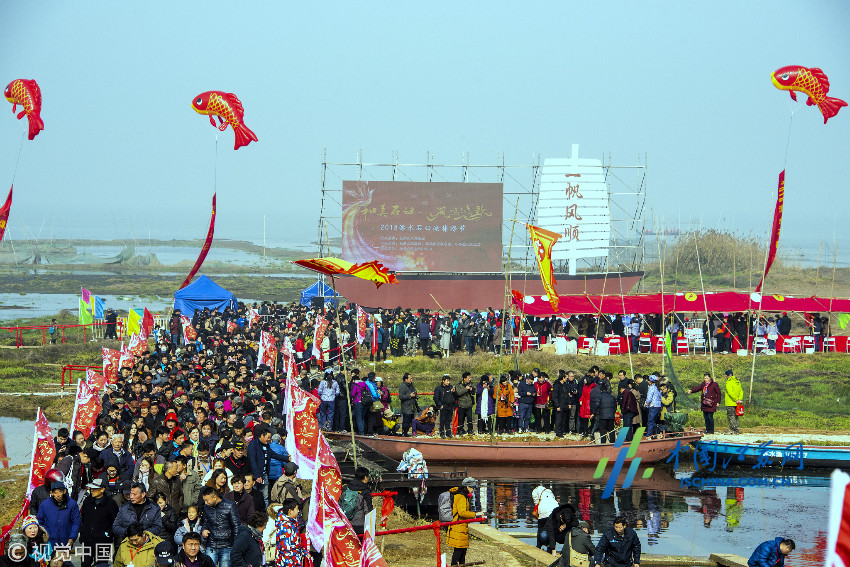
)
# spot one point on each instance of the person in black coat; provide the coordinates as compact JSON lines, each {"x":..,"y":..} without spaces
{"x":444,"y":399}
{"x":560,"y":404}
{"x":606,"y":406}
{"x":98,"y":512}
{"x":619,"y":546}
{"x":558,"y":525}
{"x":248,"y":548}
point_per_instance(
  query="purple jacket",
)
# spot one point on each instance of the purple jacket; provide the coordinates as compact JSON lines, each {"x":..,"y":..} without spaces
{"x":491,"y":407}
{"x":357,"y":391}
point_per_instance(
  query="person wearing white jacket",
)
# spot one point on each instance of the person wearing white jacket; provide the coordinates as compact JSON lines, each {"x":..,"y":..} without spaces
{"x":544,"y":502}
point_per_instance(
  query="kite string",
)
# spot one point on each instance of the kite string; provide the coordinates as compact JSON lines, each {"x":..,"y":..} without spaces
{"x":788,"y":142}
{"x":17,"y":161}
{"x":215,"y":166}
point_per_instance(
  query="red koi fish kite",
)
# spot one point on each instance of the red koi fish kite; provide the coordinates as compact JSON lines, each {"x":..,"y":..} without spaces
{"x":812,"y":82}
{"x":228,"y":109}
{"x":26,"y":93}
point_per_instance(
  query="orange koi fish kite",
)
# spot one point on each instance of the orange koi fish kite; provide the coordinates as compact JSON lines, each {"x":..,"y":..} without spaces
{"x":812,"y":82}
{"x":228,"y":109}
{"x":26,"y":93}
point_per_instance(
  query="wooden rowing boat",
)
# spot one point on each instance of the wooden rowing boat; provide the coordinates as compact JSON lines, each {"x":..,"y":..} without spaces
{"x":468,"y":451}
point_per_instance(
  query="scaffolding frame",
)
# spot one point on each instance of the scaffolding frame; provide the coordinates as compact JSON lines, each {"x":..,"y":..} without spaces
{"x":626,"y":190}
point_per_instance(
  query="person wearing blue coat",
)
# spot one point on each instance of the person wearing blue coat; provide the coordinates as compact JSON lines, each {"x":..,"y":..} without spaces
{"x":276,"y":465}
{"x":60,"y":516}
{"x":260,"y":454}
{"x":768,"y":554}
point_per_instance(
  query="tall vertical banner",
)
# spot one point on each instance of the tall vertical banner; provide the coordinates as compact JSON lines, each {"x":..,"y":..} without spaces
{"x":202,"y":256}
{"x":362,"y":323}
{"x":95,"y":381}
{"x":43,"y":452}
{"x":288,"y":355}
{"x":126,"y":359}
{"x":147,"y":324}
{"x":543,"y":240}
{"x":267,"y":351}
{"x":342,"y":546}
{"x":321,"y":327}
{"x":253,"y":317}
{"x":302,"y":428}
{"x":774,"y":232}
{"x":838,"y":538}
{"x":374,"y":337}
{"x":111,"y":359}
{"x":137,"y":346}
{"x":87,"y":406}
{"x":329,"y":480}
{"x":4,"y":213}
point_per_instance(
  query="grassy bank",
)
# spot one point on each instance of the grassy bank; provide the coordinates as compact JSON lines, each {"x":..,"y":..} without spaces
{"x":801,"y":391}
{"x":268,"y":288}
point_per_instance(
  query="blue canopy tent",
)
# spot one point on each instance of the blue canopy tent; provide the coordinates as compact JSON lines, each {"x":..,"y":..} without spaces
{"x":319,"y":289}
{"x":203,"y":292}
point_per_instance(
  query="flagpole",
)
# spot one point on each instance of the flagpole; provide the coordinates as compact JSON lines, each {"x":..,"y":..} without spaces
{"x":491,"y":424}
{"x":758,"y":318}
{"x":705,"y":306}
{"x":34,"y":445}
{"x":76,"y":399}
{"x":342,"y":359}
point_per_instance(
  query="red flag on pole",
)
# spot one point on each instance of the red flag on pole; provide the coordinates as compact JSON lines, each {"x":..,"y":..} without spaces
{"x":4,"y":213}
{"x":43,"y":452}
{"x":774,"y":232}
{"x":147,"y":323}
{"x":329,"y":480}
{"x":204,"y":250}
{"x":374,"y":338}
{"x":362,"y":323}
{"x":87,"y":406}
{"x":111,"y":359}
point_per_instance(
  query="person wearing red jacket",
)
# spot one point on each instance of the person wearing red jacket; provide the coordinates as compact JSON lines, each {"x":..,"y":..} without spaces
{"x":709,"y":400}
{"x":542,"y":412}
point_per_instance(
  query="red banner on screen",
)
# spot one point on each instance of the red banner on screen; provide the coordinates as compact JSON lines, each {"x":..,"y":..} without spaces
{"x":421,"y":227}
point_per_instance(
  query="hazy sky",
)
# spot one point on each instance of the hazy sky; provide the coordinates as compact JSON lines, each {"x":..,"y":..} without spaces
{"x":687,"y":84}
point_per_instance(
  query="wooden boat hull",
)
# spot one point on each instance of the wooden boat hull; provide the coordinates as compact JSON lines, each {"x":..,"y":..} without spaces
{"x":749,"y":453}
{"x":466,"y":452}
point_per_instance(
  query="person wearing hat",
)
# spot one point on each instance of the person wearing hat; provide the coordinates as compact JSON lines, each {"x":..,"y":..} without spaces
{"x":653,"y":405}
{"x":35,"y":537}
{"x":97,"y":514}
{"x":390,"y":422}
{"x":461,"y":510}
{"x":111,"y":319}
{"x":709,"y":400}
{"x":286,"y":487}
{"x":60,"y":516}
{"x":734,"y":396}
{"x":577,"y":539}
{"x":139,"y":548}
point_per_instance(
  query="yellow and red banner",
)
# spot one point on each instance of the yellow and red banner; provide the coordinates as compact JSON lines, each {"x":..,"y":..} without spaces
{"x":202,"y":256}
{"x":542,"y":241}
{"x":372,"y":271}
{"x":4,"y":213}
{"x":774,"y":233}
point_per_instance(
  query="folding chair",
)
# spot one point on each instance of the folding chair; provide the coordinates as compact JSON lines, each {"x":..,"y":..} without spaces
{"x":829,"y":344}
{"x":700,"y":343}
{"x":760,"y":344}
{"x":645,"y":342}
{"x":791,"y":344}
{"x":808,"y":343}
{"x":659,"y":344}
{"x":615,"y":345}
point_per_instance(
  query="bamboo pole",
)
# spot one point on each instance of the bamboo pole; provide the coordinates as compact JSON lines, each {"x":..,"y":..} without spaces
{"x":758,"y":318}
{"x":491,"y":419}
{"x":817,"y":273}
{"x":661,"y":272}
{"x":705,"y":306}
{"x":342,"y":359}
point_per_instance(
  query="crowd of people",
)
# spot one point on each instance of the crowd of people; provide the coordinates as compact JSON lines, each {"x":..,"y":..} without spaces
{"x":187,"y":462}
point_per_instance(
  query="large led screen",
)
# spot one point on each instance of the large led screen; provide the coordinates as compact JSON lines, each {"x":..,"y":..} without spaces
{"x":423,"y":227}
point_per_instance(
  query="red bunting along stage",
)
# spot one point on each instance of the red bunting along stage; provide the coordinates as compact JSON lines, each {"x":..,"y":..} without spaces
{"x":724,"y":302}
